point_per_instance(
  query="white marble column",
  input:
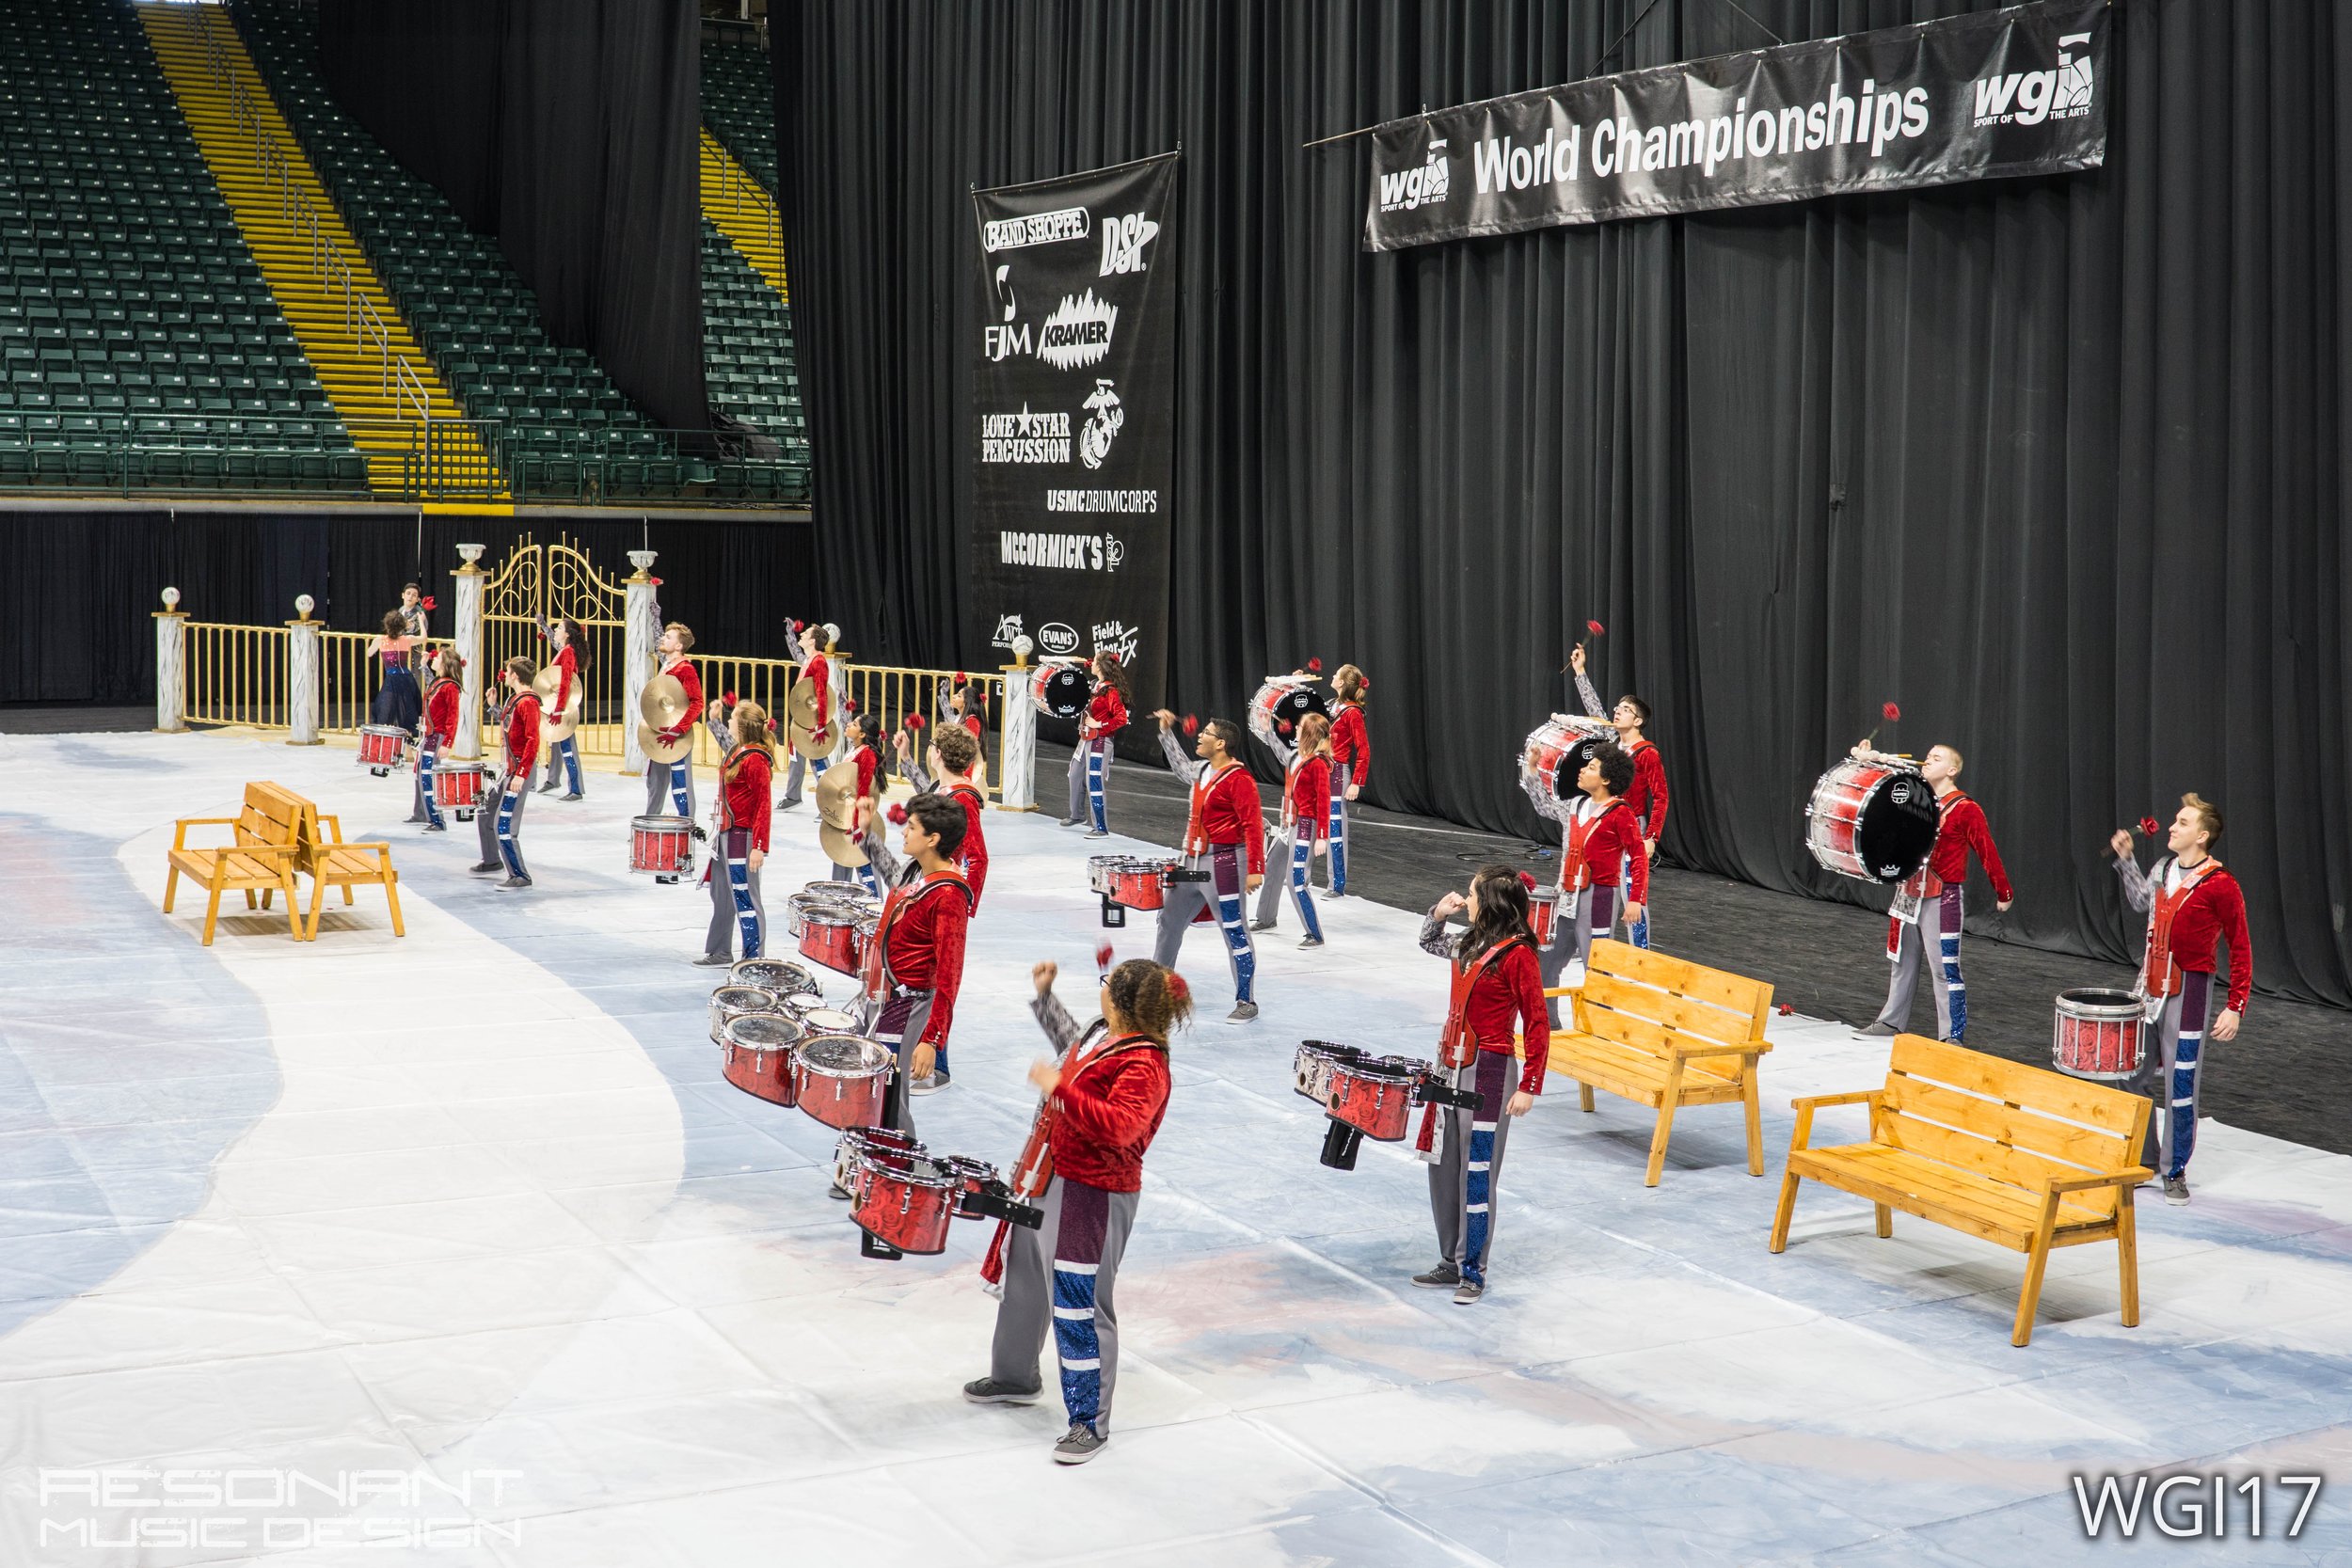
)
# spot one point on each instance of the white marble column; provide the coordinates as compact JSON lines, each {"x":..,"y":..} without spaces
{"x":470,"y":577}
{"x":1017,"y":783}
{"x":303,"y":649}
{"x":171,"y":668}
{"x":644,"y":632}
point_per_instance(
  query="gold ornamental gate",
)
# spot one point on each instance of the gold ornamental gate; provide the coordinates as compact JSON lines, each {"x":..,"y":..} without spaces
{"x":540,"y":583}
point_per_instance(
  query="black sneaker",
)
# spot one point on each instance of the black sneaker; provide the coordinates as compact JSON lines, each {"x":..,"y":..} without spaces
{"x":1067,"y":822}
{"x":436,"y":827}
{"x":987,"y":1390}
{"x":548,"y":789}
{"x":1082,"y":1444}
{"x":1443,"y":1277}
{"x":485,"y":868}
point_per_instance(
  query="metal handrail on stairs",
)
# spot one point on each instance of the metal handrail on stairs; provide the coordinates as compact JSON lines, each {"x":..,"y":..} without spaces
{"x":398,"y":379}
{"x":734,"y":180}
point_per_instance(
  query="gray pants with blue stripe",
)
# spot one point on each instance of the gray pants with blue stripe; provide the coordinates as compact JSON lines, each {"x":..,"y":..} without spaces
{"x":1058,"y":1279}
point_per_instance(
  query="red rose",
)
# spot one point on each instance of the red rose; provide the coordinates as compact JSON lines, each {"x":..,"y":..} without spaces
{"x":1177,"y":989}
{"x":1890,"y":713}
{"x":1103,"y":954}
{"x":656,"y":581}
{"x":1596,"y":628}
{"x":1527,"y":880}
{"x":914,"y":720}
{"x":727,"y":698}
{"x":962,"y":679}
{"x":849,"y":707}
{"x":898,"y":814}
{"x":1314,"y":667}
{"x":427,"y":603}
{"x":1786,"y":1009}
{"x":1282,"y":725}
{"x":1362,"y":687}
{"x":2150,"y":827}
{"x":1192,"y":724}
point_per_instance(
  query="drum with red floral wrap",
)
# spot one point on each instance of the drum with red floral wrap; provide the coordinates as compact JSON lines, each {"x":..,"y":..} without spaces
{"x":1553,"y":754}
{"x":2096,"y":1034}
{"x":661,"y":846}
{"x":729,"y":1003}
{"x":835,"y":935}
{"x":1060,"y":688}
{"x":1872,"y":819}
{"x":380,"y":747}
{"x":906,"y":1201}
{"x":839,"y":1079}
{"x":758,"y":1057}
{"x":882,"y":1145}
{"x":1374,"y":1094}
{"x":458,"y":787}
{"x":1140,"y":884}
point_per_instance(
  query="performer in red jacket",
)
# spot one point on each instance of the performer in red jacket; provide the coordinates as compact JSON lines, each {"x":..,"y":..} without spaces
{"x":915,"y":963}
{"x":502,"y":830}
{"x":1600,"y":850}
{"x":865,"y":756}
{"x":1305,"y":799}
{"x":1228,"y":828}
{"x":676,"y":779}
{"x":1496,"y":1002}
{"x":1646,"y":798}
{"x":439,"y":728}
{"x":1091,"y":760}
{"x":570,"y":645}
{"x":818,"y":666}
{"x":952,"y":755}
{"x":1931,"y":893}
{"x":2195,"y":906}
{"x":1103,"y":1102}
{"x":747,"y":767}
{"x":1351,"y":764}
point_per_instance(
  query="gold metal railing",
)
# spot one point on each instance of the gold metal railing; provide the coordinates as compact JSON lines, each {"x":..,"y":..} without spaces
{"x":347,"y":682}
{"x":236,"y":674}
{"x":890,"y":693}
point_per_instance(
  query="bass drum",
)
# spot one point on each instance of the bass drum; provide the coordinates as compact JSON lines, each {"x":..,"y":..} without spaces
{"x":1553,"y":754}
{"x":1060,"y":688}
{"x":1872,"y":819}
{"x":1284,"y":700}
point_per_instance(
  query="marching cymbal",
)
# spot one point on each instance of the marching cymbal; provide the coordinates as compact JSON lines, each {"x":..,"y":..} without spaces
{"x":560,"y":725}
{"x":838,"y":846}
{"x":658,"y":749}
{"x":836,"y":800}
{"x":800,"y":721}
{"x":662,"y":704}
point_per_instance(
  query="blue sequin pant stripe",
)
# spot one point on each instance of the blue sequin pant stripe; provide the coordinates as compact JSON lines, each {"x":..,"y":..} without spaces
{"x":1948,"y":922}
{"x":1097,"y":763}
{"x":510,"y":826}
{"x":1636,"y":931}
{"x":1223,"y":896}
{"x":2172,"y":1046}
{"x":1302,"y":857}
{"x":1077,"y":1265}
{"x":734,"y":905}
{"x":565,"y":753}
{"x":1342,"y":774}
{"x":428,"y":757}
{"x":1462,"y":1184}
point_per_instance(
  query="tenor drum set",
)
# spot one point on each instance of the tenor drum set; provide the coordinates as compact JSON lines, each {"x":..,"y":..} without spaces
{"x":904,"y":1196}
{"x":832,"y":921}
{"x":1366,"y":1096}
{"x":1125,"y":882}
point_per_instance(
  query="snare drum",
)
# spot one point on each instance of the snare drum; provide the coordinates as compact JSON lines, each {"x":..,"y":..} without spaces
{"x":828,"y":1021}
{"x":1060,"y":687}
{"x":839,"y":1079}
{"x":458,"y":787}
{"x":1141,"y":885}
{"x":1284,"y":699}
{"x":1543,"y":908}
{"x":1311,"y":1069}
{"x":907,"y":1204}
{"x":729,"y":1003}
{"x":1552,"y":756}
{"x":779,"y":977}
{"x":661,"y":846}
{"x":1375,"y":1095}
{"x":834,"y":935}
{"x":2097,"y":1034}
{"x":1873,"y":818}
{"x":758,"y":1049}
{"x":380,"y":747}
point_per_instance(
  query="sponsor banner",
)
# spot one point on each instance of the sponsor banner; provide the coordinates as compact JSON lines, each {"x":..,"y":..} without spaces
{"x":1991,"y":94}
{"x":1074,"y":439}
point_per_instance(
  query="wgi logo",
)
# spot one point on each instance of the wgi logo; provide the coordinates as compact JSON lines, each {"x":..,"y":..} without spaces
{"x":1117,"y":638}
{"x":2038,"y":95}
{"x":1407,"y":189}
{"x":1008,"y":627}
{"x":1078,"y":333}
{"x":1096,"y":434}
{"x":1123,"y":240}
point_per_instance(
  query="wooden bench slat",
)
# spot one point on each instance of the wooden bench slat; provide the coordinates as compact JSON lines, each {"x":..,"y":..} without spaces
{"x":1933,"y":1174}
{"x":1603,"y":989}
{"x":2092,"y":1105}
{"x":1736,"y":993}
{"x":1935,"y":1191}
{"x":2006,"y":1123}
{"x":2019,"y":1169}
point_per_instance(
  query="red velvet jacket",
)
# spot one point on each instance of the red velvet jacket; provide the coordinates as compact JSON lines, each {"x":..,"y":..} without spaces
{"x":1107,"y":1108}
{"x":1962,"y":830}
{"x":1310,"y":796}
{"x":1647,"y":797}
{"x":1614,"y":839}
{"x":1105,"y":715}
{"x":819,"y":671}
{"x":973,"y":854}
{"x":522,"y":732}
{"x":746,"y":774}
{"x":690,"y":678}
{"x":2213,"y":916}
{"x":1226,"y":810}
{"x":1505,"y":1004}
{"x":922,"y":942}
{"x":566,"y":664}
{"x":1351,"y":743}
{"x":441,"y":712}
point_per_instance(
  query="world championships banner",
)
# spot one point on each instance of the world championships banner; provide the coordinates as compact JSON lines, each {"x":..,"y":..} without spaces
{"x":1996,"y":93}
{"x":1073,"y":415}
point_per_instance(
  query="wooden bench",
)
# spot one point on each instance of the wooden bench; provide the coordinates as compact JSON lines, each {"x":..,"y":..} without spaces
{"x":261,"y":857}
{"x":1666,"y":1033}
{"x":328,"y":862}
{"x":2018,"y":1155}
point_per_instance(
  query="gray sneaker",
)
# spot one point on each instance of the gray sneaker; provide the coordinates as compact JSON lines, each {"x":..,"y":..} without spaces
{"x":1311,"y":941}
{"x":1082,"y":1444}
{"x":1243,"y":1012}
{"x":1468,"y":1291}
{"x":1876,"y":1032}
{"x":1443,"y":1277}
{"x":987,"y":1390}
{"x":1262,"y":925}
{"x":931,"y":1084}
{"x":2176,"y":1189}
{"x":715,"y":960}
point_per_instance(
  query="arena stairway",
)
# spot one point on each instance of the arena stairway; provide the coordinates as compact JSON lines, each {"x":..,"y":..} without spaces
{"x":383,"y":384}
{"x":139,"y":345}
{"x":747,"y":320}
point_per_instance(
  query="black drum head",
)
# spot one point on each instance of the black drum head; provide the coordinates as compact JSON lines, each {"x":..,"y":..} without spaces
{"x":1898,"y":828}
{"x":1067,"y":691}
{"x":1296,"y":702}
{"x":1563,"y":782}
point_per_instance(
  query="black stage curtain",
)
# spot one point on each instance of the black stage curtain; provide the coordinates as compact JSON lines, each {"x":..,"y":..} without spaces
{"x":569,"y":129}
{"x":76,"y":626}
{"x":2058,"y":464}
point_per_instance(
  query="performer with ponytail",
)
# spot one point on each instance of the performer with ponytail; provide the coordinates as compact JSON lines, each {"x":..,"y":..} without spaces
{"x":570,"y":652}
{"x":747,"y":767}
{"x":1600,"y":846}
{"x":915,"y":962}
{"x":1647,"y":797}
{"x":439,"y":728}
{"x":866,"y":729}
{"x":1305,"y":798}
{"x":952,"y":755}
{"x":1351,"y":764}
{"x":1091,"y":760}
{"x":1497,"y":1004}
{"x":965,"y":704}
{"x":1104,"y":1098}
{"x":1227,"y":827}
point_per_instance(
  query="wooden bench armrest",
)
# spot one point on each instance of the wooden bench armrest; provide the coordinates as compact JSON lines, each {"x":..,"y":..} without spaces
{"x":1712,"y":1047}
{"x":1560,"y":991}
{"x":1852,"y":1097}
{"x":333,"y":823}
{"x":383,"y":845}
{"x":180,"y":828}
{"x":2131,"y":1175}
